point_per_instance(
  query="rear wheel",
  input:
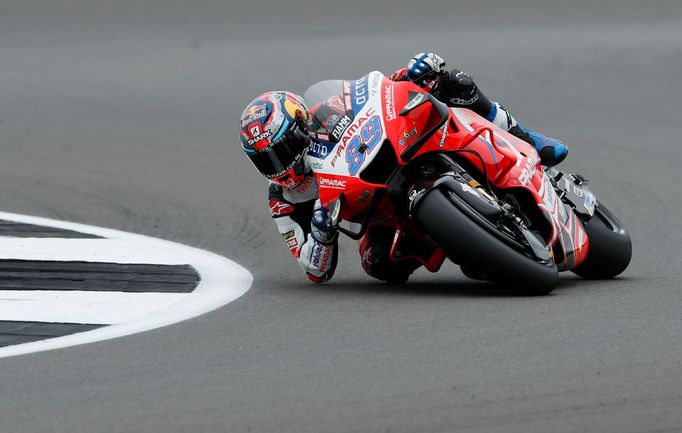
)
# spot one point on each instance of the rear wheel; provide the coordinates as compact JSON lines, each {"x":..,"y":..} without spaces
{"x":470,"y":240}
{"x":610,"y":246}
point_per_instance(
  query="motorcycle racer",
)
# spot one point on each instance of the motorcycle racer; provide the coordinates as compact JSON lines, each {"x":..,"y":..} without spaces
{"x":275,"y":135}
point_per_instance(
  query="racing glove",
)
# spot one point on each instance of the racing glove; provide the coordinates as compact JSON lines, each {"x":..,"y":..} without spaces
{"x":424,"y":68}
{"x":323,"y":226}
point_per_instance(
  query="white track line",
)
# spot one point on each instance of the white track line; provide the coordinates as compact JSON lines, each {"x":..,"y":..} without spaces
{"x":101,"y":308}
{"x":222,"y":281}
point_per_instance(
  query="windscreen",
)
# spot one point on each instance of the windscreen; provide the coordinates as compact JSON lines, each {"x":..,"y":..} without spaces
{"x":330,"y":109}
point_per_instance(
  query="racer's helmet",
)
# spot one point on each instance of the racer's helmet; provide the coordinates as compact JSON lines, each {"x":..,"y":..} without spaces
{"x":274,"y":136}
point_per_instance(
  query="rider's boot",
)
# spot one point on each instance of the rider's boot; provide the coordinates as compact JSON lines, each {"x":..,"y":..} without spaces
{"x":551,"y":150}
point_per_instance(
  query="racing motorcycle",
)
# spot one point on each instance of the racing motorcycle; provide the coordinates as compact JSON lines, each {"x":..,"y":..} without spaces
{"x":449,"y":184}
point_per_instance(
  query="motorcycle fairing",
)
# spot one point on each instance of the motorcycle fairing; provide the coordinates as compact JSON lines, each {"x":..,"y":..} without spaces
{"x":380,"y":118}
{"x":338,"y":171}
{"x":508,"y":162}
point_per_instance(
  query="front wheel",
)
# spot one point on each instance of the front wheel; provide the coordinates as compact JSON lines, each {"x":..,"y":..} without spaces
{"x":471,"y":241}
{"x":610,"y":246}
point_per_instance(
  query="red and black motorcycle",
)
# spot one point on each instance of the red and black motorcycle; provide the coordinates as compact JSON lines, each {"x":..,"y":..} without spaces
{"x":448,"y":183}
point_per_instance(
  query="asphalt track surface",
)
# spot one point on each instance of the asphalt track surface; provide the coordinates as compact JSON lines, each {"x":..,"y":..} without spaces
{"x":124,"y":114}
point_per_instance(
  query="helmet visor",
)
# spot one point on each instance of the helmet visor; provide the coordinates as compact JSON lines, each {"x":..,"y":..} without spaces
{"x":281,"y":156}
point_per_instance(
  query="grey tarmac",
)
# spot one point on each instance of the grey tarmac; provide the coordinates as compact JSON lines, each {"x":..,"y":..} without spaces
{"x":124,"y":114}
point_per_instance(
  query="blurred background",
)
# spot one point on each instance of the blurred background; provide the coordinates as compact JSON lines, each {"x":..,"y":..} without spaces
{"x":136,"y":102}
{"x":124,"y":114}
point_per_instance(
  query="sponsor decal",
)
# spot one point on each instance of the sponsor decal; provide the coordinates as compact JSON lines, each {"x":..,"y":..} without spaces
{"x":462,"y":76}
{"x":409,"y":135}
{"x":254,"y":113}
{"x":258,"y":136}
{"x":557,"y":211}
{"x":321,"y":257}
{"x":469,"y":189}
{"x":320,"y":136}
{"x":348,"y":134}
{"x":359,"y":91}
{"x":290,"y":238}
{"x":347,"y":102}
{"x":444,"y":133}
{"x":278,"y":208}
{"x":374,"y":85}
{"x":414,"y":101}
{"x":286,"y":169}
{"x":460,"y":101}
{"x":346,"y":96}
{"x":412,"y":195}
{"x":319,"y":150}
{"x":332,"y":183}
{"x":340,"y":127}
{"x":528,"y":169}
{"x":315,"y":165}
{"x":292,"y":244}
{"x":325,"y":259}
{"x":303,"y":186}
{"x":389,"y":107}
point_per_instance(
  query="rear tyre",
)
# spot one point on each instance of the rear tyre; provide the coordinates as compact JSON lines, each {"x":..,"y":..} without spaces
{"x":610,"y":246}
{"x":472,"y":244}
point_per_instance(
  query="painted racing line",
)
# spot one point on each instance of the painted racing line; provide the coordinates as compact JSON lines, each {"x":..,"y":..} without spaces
{"x":101,"y":284}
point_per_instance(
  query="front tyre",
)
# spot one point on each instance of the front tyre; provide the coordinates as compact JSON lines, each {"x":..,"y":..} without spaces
{"x":610,"y":246}
{"x":474,"y":244}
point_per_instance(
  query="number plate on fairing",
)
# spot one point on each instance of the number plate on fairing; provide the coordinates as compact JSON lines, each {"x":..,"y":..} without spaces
{"x":358,"y":144}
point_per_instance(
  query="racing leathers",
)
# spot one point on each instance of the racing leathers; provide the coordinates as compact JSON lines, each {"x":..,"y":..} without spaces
{"x":293,"y":208}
